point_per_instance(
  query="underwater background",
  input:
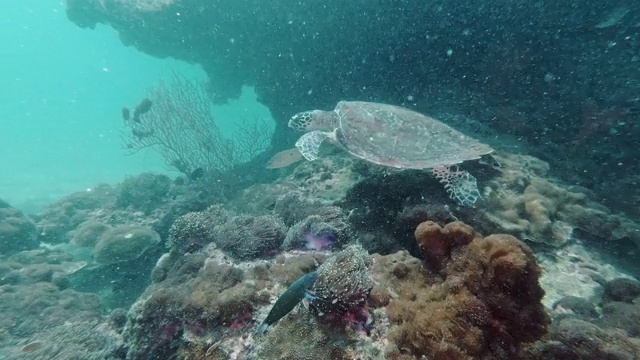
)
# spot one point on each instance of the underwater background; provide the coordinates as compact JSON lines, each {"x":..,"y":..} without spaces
{"x":61,"y":107}
{"x":246,"y":179}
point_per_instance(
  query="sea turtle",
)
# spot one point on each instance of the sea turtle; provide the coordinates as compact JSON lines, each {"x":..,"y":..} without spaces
{"x":392,"y":136}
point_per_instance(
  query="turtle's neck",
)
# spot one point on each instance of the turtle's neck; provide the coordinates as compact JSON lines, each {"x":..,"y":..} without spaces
{"x":328,"y":120}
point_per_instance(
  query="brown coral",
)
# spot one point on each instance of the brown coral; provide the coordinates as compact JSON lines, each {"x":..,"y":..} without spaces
{"x":487,"y":306}
{"x":436,"y":242}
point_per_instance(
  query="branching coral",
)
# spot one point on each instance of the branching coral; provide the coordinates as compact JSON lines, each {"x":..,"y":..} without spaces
{"x":181,"y":128}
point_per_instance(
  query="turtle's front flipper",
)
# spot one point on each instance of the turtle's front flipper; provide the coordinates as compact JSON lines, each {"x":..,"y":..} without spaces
{"x":309,"y":144}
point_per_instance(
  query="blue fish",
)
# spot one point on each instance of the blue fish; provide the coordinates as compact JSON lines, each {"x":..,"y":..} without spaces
{"x":288,"y":300}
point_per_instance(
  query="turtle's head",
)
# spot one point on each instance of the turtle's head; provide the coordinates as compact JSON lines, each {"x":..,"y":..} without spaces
{"x":302,"y":121}
{"x":312,"y":120}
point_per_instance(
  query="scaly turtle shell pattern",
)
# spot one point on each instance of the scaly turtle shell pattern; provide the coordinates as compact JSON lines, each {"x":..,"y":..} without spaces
{"x":401,"y":138}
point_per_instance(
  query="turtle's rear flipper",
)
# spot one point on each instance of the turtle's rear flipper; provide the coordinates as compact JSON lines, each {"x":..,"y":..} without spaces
{"x":309,"y":144}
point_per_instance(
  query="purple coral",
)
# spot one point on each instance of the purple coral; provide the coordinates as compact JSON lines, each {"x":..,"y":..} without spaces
{"x":326,"y":230}
{"x":320,"y":241}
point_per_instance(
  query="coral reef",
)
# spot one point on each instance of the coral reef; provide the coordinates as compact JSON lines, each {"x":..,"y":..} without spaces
{"x":495,"y":73}
{"x":249,"y":237}
{"x":314,"y":222}
{"x":343,"y":285}
{"x":622,"y":290}
{"x":88,"y":233}
{"x":90,"y":340}
{"x":286,"y":269}
{"x":293,"y":208}
{"x":579,"y":270}
{"x":199,"y":297}
{"x":304,"y":190}
{"x":338,"y":299}
{"x":576,"y":305}
{"x":144,"y":192}
{"x":523,"y":202}
{"x":243,"y":237}
{"x":518,"y":199}
{"x":119,"y":263}
{"x":65,"y":215}
{"x":192,"y":231}
{"x":327,"y":229}
{"x":472,"y":297}
{"x":578,"y":331}
{"x":124,"y":244}
{"x":17,"y":232}
{"x":42,"y":318}
{"x":577,"y":339}
{"x":488,"y":305}
{"x":148,"y":200}
{"x":621,"y":306}
{"x":299,"y":337}
{"x":41,"y":265}
{"x":387,"y":206}
{"x":436,"y":243}
{"x":203,"y":304}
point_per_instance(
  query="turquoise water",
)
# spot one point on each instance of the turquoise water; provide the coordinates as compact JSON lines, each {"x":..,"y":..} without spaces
{"x":474,"y":196}
{"x":60,"y":107}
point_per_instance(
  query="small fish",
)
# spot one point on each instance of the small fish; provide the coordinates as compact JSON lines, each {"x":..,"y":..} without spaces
{"x":126,"y":114}
{"x":142,"y":108}
{"x":33,"y":346}
{"x":197,"y":173}
{"x":284,"y":158}
{"x":288,"y":300}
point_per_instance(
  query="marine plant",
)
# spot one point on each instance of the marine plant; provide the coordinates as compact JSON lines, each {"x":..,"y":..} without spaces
{"x":180,"y":127}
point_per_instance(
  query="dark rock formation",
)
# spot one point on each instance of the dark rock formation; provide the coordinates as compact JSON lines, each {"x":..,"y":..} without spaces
{"x":556,"y":74}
